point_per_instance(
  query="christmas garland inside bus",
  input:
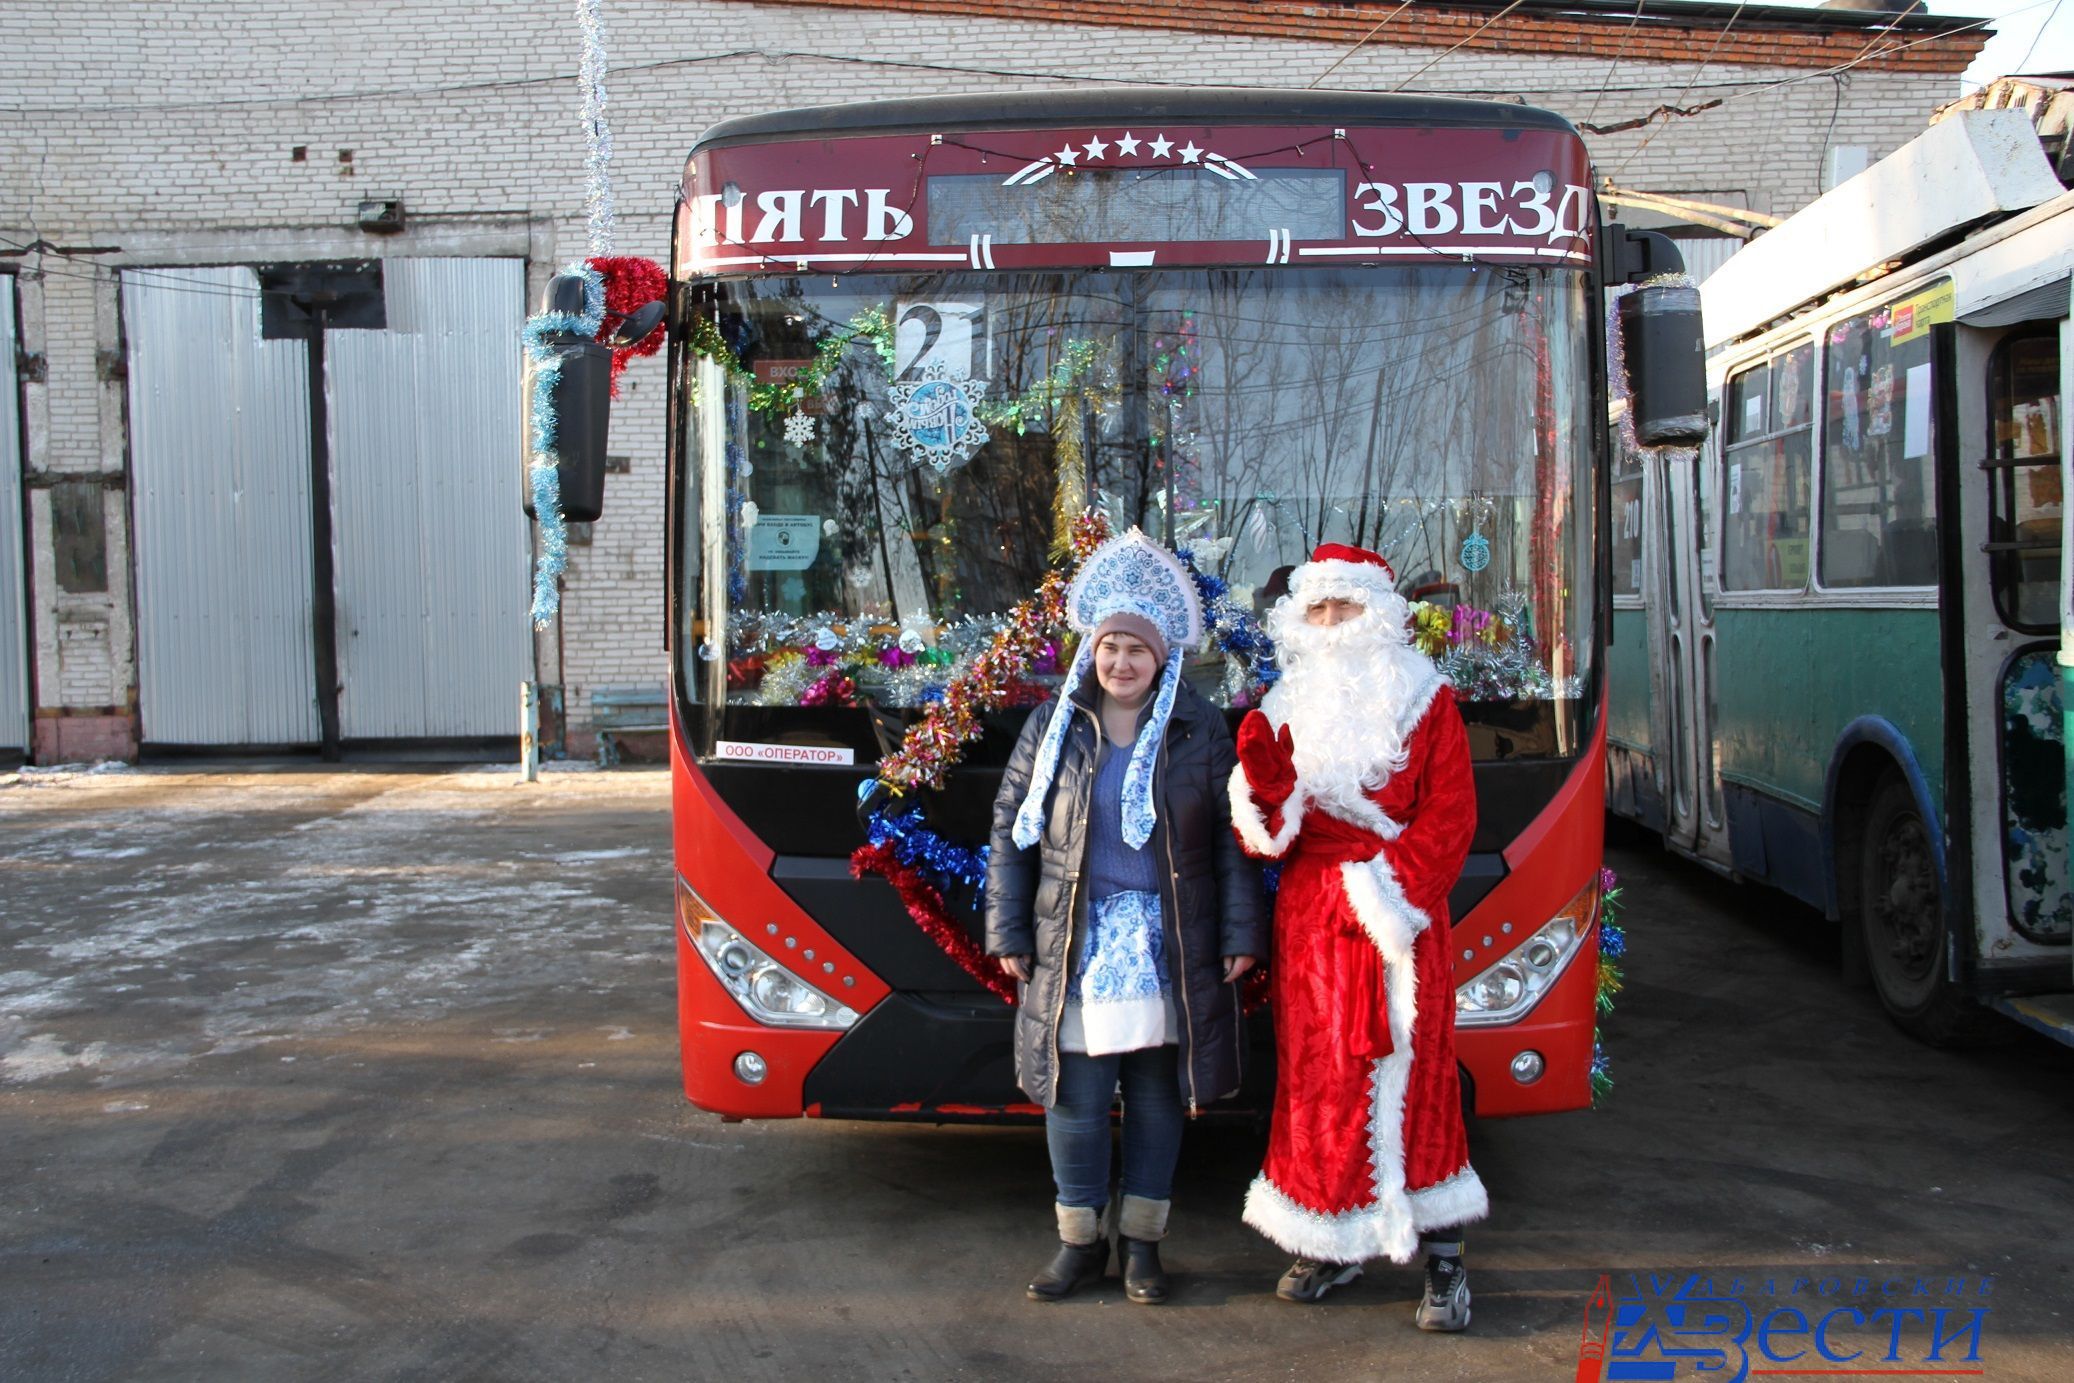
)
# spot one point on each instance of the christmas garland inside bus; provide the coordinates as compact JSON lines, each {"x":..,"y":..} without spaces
{"x":924,"y":354}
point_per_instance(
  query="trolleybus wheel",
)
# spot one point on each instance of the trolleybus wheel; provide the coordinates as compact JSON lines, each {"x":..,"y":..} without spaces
{"x":1901,"y":911}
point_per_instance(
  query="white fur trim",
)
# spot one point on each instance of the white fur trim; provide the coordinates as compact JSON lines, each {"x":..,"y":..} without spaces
{"x":1143,"y":1219}
{"x":1389,"y":1226}
{"x":1350,"y":804}
{"x":1252,"y":822}
{"x":1459,"y":1200}
{"x":1372,"y":1231}
{"x":1078,"y":1224}
{"x":1388,"y":917}
{"x":1335,"y":580}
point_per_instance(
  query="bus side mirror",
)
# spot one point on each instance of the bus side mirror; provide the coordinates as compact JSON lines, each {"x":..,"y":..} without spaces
{"x":581,"y":398}
{"x":1666,"y":352}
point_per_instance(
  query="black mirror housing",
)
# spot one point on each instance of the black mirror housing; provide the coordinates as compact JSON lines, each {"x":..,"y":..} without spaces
{"x":582,"y":400}
{"x":1666,"y":350}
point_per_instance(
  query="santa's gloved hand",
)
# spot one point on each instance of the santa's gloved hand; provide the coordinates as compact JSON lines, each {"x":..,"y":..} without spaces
{"x":1269,"y":758}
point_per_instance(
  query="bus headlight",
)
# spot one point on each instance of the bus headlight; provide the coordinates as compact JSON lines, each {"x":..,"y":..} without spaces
{"x":1506,"y":990}
{"x":766,"y":990}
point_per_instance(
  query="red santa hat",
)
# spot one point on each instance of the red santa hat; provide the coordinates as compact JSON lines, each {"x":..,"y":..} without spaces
{"x":1339,"y":572}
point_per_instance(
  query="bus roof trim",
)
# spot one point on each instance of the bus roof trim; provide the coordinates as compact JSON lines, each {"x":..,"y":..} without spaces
{"x":1107,"y":105}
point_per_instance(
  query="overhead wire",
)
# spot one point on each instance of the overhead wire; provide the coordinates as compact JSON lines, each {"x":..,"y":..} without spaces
{"x":1719,"y":39}
{"x":2025,"y":61}
{"x":1452,"y":51}
{"x":1627,"y":36}
{"x":1358,"y":43}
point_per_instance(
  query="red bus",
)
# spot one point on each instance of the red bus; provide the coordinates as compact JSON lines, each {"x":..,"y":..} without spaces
{"x":909,"y":339}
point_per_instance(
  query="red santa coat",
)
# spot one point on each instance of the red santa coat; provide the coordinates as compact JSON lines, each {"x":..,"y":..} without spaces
{"x":1367,"y":1147}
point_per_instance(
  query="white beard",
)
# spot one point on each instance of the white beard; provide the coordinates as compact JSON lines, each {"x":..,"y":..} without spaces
{"x":1348,"y":694}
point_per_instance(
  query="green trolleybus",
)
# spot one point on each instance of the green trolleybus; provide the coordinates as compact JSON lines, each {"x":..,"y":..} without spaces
{"x":1840,"y":631}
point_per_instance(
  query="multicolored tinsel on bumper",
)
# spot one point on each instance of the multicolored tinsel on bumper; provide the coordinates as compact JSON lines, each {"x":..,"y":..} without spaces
{"x":925,"y":904}
{"x":1613,"y":948}
{"x":543,"y":467}
{"x":918,"y":847}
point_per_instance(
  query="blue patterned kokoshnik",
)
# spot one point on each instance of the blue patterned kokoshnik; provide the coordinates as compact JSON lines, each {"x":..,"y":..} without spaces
{"x":1130,"y":573}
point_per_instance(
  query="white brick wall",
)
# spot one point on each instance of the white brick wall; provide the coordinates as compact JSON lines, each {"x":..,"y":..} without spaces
{"x":165,"y":127}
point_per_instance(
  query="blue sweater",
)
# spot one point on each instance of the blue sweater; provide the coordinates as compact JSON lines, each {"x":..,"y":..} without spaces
{"x":1112,"y":865}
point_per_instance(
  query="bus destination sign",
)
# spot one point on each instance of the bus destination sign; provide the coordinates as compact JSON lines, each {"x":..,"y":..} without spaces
{"x":1130,"y":197}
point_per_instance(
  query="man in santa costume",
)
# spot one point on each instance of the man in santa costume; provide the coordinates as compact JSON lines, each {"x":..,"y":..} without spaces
{"x":1355,"y":774}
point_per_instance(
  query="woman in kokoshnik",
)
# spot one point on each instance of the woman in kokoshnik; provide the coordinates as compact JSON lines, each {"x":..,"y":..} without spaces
{"x":1119,"y":898}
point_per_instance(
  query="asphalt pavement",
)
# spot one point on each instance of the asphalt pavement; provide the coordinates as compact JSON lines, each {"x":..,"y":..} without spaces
{"x":373,"y":1075}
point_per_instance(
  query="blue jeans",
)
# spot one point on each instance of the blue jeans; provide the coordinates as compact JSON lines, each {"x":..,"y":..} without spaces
{"x":1077,"y":1127}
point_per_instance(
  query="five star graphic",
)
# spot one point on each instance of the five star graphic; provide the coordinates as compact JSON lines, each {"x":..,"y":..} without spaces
{"x":1127,"y":145}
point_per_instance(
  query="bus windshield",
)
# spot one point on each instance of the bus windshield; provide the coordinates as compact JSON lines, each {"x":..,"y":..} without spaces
{"x":881,"y":526}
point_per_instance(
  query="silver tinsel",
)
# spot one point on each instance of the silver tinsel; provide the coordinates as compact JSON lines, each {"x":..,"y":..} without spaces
{"x":597,"y":162}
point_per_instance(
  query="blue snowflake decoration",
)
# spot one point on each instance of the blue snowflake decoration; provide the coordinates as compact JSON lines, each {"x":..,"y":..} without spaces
{"x":936,"y":418}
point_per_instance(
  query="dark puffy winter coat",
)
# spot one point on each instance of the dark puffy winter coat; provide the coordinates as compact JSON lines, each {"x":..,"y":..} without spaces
{"x":1210,"y":893}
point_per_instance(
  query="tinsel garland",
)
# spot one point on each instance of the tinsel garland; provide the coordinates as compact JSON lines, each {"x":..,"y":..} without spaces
{"x":925,"y":904}
{"x":597,"y":160}
{"x":918,"y":847}
{"x":1613,"y":947}
{"x":544,"y":454}
{"x":1081,"y":379}
{"x":1489,"y":655}
{"x":785,"y":396}
{"x":938,"y":740}
{"x":631,"y":283}
{"x":1235,"y":632}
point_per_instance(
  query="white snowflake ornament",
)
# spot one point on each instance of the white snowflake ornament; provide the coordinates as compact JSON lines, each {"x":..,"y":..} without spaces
{"x":936,"y":419}
{"x":799,"y":429}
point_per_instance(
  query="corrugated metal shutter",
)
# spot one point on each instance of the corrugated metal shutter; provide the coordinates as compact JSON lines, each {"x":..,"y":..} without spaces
{"x":1706,"y":253}
{"x":432,"y":551}
{"x":220,"y":477}
{"x":14,"y":581}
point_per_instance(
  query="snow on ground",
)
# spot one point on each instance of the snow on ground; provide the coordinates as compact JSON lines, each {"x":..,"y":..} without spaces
{"x":222,"y":911}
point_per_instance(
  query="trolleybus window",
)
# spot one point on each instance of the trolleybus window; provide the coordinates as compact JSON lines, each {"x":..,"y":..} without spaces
{"x":2025,"y":499}
{"x":1879,"y":517}
{"x":1764,"y":542}
{"x":1627,"y":524}
{"x":1438,"y":414}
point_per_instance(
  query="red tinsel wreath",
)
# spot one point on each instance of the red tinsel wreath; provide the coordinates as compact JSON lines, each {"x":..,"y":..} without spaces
{"x":631,"y":283}
{"x":925,"y":905}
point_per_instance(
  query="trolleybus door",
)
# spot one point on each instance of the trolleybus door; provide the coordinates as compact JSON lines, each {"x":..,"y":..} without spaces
{"x":2013,"y":643}
{"x":1681,"y":639}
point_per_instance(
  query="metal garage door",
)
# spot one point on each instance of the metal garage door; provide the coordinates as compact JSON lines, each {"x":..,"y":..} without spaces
{"x":433,"y":638}
{"x":14,"y":581}
{"x":220,"y":495}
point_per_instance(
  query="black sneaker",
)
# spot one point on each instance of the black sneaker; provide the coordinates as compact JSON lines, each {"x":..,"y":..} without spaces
{"x":1308,"y":1280}
{"x":1446,"y":1303}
